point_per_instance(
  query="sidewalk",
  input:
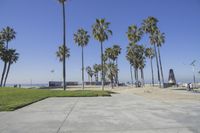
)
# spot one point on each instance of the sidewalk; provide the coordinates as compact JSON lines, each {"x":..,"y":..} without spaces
{"x":121,"y":113}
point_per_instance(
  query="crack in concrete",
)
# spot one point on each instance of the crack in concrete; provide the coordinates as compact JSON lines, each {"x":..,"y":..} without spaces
{"x":67,"y":116}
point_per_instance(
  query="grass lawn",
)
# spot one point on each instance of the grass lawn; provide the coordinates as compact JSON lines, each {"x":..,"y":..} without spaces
{"x":13,"y":98}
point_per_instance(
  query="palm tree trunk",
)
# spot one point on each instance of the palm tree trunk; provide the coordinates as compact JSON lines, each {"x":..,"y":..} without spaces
{"x":161,"y":66}
{"x":136,"y":77}
{"x":135,"y":74}
{"x":117,"y":78}
{"x":97,"y":77}
{"x":102,"y":65}
{"x":131,"y":75}
{"x":8,"y":69}
{"x":142,"y":76}
{"x":158,"y":70}
{"x":82,"y":69}
{"x":90,"y":80}
{"x":152,"y":75}
{"x":3,"y":73}
{"x":112,"y":83}
{"x":64,"y":44}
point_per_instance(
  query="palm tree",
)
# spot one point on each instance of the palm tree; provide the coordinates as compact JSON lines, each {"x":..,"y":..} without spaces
{"x":96,"y":69}
{"x":130,"y":59}
{"x":62,"y":54}
{"x":160,"y":41}
{"x":82,"y":38}
{"x":149,"y":53}
{"x":7,"y":35}
{"x":101,"y":33}
{"x":133,"y":60}
{"x":87,"y":70}
{"x":90,"y":73}
{"x":131,"y":72}
{"x":64,"y":43}
{"x":4,"y":57}
{"x":105,"y":58}
{"x":117,"y":51}
{"x":1,"y":40}
{"x":1,"y":46}
{"x":153,"y":40}
{"x":149,"y":25}
{"x":134,"y":33}
{"x":112,"y":71}
{"x":140,"y":52}
{"x":61,"y":51}
{"x":110,"y":54}
{"x":135,"y":56}
{"x":13,"y":56}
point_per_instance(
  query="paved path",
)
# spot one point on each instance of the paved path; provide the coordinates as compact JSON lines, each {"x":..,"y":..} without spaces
{"x":121,"y":113}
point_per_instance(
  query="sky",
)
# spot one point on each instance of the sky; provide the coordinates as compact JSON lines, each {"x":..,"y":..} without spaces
{"x":38,"y":24}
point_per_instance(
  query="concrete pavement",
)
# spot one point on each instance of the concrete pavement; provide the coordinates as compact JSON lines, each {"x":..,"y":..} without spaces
{"x":121,"y":113}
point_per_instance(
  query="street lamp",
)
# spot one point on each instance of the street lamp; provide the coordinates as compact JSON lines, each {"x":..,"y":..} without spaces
{"x":193,"y":68}
{"x":52,"y":71}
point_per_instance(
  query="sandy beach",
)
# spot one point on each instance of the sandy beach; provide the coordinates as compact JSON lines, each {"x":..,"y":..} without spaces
{"x":163,"y":94}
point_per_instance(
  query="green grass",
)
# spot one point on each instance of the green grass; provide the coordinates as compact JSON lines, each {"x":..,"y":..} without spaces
{"x":13,"y":98}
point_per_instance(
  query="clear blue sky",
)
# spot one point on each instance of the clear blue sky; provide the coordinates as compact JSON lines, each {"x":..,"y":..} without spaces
{"x":38,"y":24}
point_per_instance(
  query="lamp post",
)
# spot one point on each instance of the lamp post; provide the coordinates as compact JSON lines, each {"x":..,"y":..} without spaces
{"x":52,"y":72}
{"x":193,"y":69}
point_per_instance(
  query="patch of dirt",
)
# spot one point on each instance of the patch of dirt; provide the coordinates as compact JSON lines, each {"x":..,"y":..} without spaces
{"x":163,"y":94}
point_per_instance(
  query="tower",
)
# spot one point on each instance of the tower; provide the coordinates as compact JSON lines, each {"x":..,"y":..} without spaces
{"x":171,"y":79}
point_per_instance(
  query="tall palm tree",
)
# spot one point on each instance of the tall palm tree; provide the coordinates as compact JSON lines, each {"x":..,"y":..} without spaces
{"x":160,"y":41}
{"x":149,"y":53}
{"x":141,"y":60}
{"x":153,"y":40}
{"x":117,"y":51}
{"x":64,"y":43}
{"x":90,"y":73}
{"x":112,"y":71}
{"x":82,"y":38}
{"x":101,"y":33}
{"x":134,"y":35}
{"x":149,"y":26}
{"x":8,"y":34}
{"x":4,"y":57}
{"x":13,"y":56}
{"x":135,"y":56}
{"x":131,"y":56}
{"x":112,"y":54}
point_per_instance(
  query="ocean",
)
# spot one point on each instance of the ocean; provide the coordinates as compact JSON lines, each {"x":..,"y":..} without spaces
{"x":28,"y":85}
